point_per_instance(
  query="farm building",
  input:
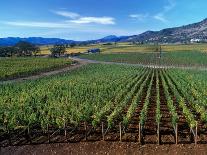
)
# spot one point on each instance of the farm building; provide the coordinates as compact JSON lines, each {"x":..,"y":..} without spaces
{"x":94,"y":50}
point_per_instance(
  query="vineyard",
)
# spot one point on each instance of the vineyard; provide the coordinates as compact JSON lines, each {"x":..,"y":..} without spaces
{"x":181,"y":58}
{"x":19,"y":67}
{"x":106,"y":102}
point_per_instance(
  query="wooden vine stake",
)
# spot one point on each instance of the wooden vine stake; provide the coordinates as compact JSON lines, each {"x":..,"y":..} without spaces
{"x":158,"y":132}
{"x":48,"y":133}
{"x":65,"y":131}
{"x":140,"y":133}
{"x":196,"y":133}
{"x":102,"y":130}
{"x":9,"y":135}
{"x":85,"y":126}
{"x":176,"y":133}
{"x":28,"y":133}
{"x":120,"y":133}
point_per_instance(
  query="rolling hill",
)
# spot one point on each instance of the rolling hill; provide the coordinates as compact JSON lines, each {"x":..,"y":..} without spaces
{"x":196,"y":32}
{"x":188,"y":33}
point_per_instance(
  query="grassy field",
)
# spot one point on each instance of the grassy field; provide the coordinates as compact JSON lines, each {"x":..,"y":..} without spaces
{"x":181,"y":58}
{"x":129,"y":47}
{"x":18,"y":67}
{"x":110,"y":94}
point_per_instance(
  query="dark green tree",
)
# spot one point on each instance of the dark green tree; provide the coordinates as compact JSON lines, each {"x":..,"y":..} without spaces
{"x":72,"y":45}
{"x":8,"y":51}
{"x":25,"y":48}
{"x":36,"y":51}
{"x":57,"y":50}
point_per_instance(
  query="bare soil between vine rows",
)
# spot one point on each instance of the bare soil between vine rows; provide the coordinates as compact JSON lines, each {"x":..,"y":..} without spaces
{"x":103,"y":148}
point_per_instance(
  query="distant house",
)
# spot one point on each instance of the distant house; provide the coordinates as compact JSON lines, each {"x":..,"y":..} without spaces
{"x":94,"y":50}
{"x":195,"y":40}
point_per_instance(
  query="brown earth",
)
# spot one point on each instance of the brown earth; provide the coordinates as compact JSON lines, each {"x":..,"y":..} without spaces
{"x":102,"y":147}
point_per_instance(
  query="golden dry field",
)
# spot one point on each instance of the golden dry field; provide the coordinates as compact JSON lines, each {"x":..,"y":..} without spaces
{"x":129,"y":47}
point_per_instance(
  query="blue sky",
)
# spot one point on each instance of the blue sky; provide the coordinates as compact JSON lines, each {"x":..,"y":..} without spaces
{"x":92,"y":19}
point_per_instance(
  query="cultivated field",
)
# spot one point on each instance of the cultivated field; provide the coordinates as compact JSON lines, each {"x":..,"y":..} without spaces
{"x":182,"y":58}
{"x":106,"y":107}
{"x":110,"y":102}
{"x":11,"y":68}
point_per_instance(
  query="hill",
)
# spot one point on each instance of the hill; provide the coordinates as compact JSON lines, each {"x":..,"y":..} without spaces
{"x":10,"y":41}
{"x":196,"y":32}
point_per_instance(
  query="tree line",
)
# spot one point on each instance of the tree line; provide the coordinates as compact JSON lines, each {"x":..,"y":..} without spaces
{"x":20,"y":49}
{"x":23,"y":48}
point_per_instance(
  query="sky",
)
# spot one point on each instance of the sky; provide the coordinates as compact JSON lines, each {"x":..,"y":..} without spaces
{"x":93,"y":19}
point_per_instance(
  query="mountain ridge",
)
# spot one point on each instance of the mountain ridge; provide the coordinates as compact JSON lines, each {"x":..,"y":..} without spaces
{"x":183,"y":34}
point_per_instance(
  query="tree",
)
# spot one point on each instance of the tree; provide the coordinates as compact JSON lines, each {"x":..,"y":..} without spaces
{"x":57,"y":50}
{"x":25,"y":48}
{"x":36,"y":51}
{"x":20,"y":49}
{"x":72,"y":45}
{"x":7,"y":51}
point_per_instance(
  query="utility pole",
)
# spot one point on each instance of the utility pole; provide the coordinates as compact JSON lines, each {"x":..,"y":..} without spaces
{"x":160,"y":51}
{"x":156,"y":53}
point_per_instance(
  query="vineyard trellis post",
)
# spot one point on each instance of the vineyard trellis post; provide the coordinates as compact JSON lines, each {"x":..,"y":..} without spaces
{"x":158,"y":132}
{"x":102,"y":129}
{"x":27,"y":134}
{"x":196,"y":134}
{"x":10,"y":142}
{"x":85,"y":128}
{"x":48,"y":133}
{"x":176,"y":133}
{"x":140,"y":133}
{"x":65,"y":129}
{"x":120,"y":132}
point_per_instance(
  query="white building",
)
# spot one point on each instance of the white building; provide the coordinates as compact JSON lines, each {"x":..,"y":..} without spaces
{"x":195,"y":40}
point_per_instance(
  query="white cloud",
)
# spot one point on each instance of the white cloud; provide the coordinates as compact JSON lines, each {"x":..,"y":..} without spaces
{"x":66,"y":25}
{"x":138,"y":16}
{"x":67,"y":14}
{"x":78,"y":19}
{"x":96,"y":20}
{"x":161,"y":15}
{"x":171,"y":4}
{"x":161,"y":18}
{"x":39,"y":24}
{"x":74,"y":20}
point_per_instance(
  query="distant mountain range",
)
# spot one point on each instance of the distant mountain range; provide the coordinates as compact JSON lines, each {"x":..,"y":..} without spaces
{"x":34,"y":40}
{"x":196,"y":32}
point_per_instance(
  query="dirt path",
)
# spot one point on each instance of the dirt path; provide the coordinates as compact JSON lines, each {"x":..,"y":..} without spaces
{"x":105,"y":148}
{"x":45,"y":74}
